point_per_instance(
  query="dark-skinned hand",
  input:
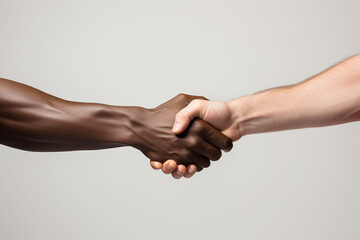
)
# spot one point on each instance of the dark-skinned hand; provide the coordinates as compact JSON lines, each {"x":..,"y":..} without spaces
{"x":199,"y":144}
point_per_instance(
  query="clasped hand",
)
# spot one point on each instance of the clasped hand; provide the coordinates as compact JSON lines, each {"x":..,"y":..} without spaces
{"x":182,"y":154}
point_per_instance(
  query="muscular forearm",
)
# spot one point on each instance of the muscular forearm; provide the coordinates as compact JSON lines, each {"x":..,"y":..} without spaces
{"x":35,"y":121}
{"x":332,"y":97}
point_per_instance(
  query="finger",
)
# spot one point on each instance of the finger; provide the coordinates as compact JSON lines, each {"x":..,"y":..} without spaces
{"x":212,"y":135}
{"x":230,"y":133}
{"x":169,"y":166}
{"x":190,"y":171}
{"x":206,"y":149}
{"x":201,"y":162}
{"x":179,"y":172}
{"x":156,"y":165}
{"x":196,"y":108}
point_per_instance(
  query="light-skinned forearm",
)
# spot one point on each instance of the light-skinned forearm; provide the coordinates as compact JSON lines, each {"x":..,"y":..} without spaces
{"x":332,"y":97}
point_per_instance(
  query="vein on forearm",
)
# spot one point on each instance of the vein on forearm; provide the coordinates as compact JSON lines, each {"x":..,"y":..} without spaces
{"x":33,"y":120}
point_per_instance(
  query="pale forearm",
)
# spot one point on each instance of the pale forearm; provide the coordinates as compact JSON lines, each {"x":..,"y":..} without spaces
{"x":332,"y":97}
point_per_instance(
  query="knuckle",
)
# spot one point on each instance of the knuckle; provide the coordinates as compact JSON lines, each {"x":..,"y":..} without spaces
{"x":196,"y":103}
{"x":184,"y":97}
{"x":193,"y":142}
{"x":186,"y":157}
{"x":197,"y":126}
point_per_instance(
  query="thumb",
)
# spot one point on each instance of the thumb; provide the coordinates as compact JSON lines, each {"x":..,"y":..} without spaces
{"x":191,"y":111}
{"x":233,"y":135}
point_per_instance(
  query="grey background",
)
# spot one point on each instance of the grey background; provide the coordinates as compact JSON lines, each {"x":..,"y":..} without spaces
{"x":302,"y":184}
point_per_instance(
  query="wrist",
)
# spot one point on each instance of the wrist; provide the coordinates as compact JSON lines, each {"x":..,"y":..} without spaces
{"x":263,"y":112}
{"x":240,"y":110}
{"x":130,"y":121}
{"x":106,"y":126}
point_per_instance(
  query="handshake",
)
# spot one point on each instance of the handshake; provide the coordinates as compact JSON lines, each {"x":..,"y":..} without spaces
{"x":182,"y":135}
{"x":177,"y":141}
{"x":33,"y":120}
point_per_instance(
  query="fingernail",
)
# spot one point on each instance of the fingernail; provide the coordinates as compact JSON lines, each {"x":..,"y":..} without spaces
{"x":176,"y":127}
{"x":191,"y":169}
{"x":169,"y":167}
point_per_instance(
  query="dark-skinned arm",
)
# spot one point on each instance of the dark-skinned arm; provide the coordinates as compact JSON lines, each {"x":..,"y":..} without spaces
{"x":36,"y":121}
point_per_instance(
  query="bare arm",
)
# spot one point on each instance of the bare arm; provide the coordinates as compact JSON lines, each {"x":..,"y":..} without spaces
{"x":332,"y":97}
{"x":36,"y":121}
{"x":33,"y":120}
{"x":329,"y":98}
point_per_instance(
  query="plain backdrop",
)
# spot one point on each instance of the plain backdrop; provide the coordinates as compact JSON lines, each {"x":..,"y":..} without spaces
{"x":301,"y":184}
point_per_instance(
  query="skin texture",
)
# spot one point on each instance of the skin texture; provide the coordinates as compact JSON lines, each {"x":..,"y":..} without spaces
{"x":36,"y":121}
{"x":329,"y":98}
{"x":199,"y":144}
